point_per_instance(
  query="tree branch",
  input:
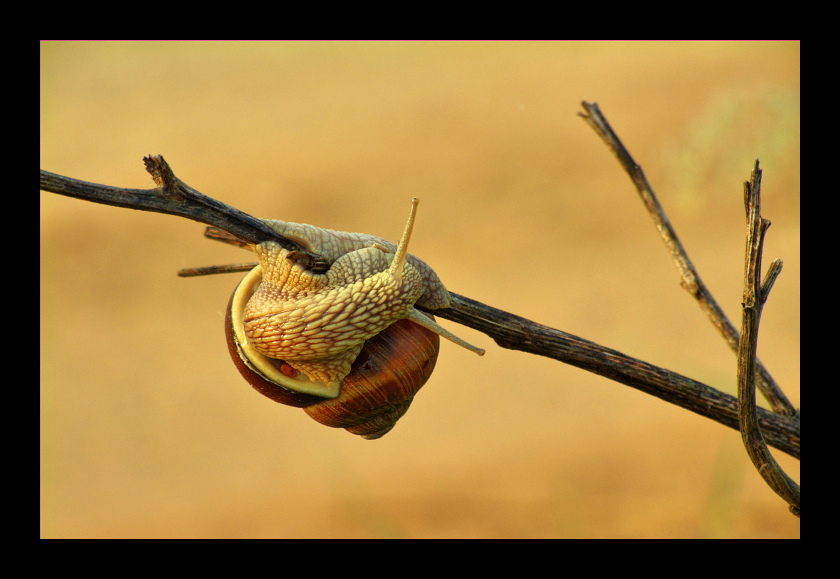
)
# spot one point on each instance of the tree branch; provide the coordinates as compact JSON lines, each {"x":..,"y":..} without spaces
{"x":172,"y":196}
{"x":508,"y":330}
{"x":755,"y":295}
{"x":690,"y":279}
{"x":517,"y":333}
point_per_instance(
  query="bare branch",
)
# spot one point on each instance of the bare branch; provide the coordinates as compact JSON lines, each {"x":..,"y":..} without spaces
{"x":172,"y":196}
{"x":216,"y":269}
{"x":517,"y":333}
{"x":690,"y":279}
{"x":508,"y":330}
{"x":755,"y":295}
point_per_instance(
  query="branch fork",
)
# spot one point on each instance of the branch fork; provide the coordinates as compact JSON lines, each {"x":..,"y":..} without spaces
{"x":756,"y":293}
{"x":759,"y":427}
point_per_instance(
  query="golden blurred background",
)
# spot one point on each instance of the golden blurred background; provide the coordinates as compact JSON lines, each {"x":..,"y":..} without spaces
{"x":147,"y":429}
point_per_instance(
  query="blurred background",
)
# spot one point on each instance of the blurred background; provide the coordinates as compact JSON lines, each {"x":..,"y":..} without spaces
{"x":147,"y":429}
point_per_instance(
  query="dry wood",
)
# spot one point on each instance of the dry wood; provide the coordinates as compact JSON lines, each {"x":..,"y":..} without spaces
{"x":690,"y":279}
{"x":508,"y":330}
{"x":780,"y":430}
{"x":756,"y":293}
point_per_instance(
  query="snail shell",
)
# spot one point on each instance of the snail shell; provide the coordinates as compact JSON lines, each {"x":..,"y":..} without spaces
{"x":347,"y":345}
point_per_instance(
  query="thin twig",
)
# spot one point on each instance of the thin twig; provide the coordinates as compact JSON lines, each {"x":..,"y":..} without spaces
{"x":172,"y":196}
{"x":690,"y":279}
{"x":508,"y":330}
{"x":755,"y":295}
{"x":216,"y":269}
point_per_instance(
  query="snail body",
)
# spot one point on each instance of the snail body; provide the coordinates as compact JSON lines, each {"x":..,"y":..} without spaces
{"x":346,"y":344}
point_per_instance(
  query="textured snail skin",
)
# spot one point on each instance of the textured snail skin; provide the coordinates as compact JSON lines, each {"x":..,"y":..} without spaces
{"x":332,"y":245}
{"x":317,"y":321}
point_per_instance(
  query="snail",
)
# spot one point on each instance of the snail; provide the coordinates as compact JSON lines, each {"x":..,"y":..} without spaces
{"x":341,"y":339}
